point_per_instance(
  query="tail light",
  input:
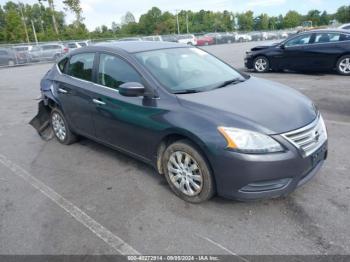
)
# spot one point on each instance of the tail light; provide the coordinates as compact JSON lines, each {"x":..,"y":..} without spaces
{"x":66,"y":50}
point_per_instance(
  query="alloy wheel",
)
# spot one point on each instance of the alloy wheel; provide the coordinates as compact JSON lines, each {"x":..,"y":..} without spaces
{"x":260,"y":65}
{"x":184,"y":173}
{"x":59,"y":126}
{"x":344,"y":66}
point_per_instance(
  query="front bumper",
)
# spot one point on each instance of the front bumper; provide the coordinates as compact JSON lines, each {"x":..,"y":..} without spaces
{"x":248,"y":62}
{"x":250,"y":177}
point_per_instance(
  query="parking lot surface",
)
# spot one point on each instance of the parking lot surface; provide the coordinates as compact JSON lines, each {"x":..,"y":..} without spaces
{"x":88,"y":199}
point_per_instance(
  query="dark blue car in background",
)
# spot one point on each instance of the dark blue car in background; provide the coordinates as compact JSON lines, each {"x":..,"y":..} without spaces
{"x":316,"y":50}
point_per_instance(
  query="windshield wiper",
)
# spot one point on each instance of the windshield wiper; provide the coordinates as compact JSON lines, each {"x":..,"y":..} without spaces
{"x":230,"y":82}
{"x":186,"y":91}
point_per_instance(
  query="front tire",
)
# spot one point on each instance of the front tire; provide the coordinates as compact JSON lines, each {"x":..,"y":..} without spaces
{"x":343,"y":65}
{"x":61,"y":129}
{"x":187,"y":172}
{"x":261,"y":64}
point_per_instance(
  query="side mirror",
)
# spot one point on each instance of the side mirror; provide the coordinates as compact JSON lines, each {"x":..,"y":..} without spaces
{"x":282,"y":46}
{"x":131,"y":89}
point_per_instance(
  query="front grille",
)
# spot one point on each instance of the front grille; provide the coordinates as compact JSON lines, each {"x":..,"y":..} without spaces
{"x":309,"y":138}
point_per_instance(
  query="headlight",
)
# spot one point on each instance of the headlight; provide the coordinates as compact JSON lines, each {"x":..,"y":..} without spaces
{"x":248,"y":141}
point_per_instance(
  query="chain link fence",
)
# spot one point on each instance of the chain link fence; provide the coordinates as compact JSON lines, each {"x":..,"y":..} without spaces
{"x":43,"y":52}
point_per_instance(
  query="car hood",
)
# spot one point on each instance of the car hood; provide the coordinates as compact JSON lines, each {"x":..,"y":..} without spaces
{"x":255,"y":104}
{"x":257,"y":48}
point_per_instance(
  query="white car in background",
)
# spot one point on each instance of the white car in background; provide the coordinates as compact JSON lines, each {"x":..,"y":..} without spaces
{"x":188,"y":39}
{"x":73,"y":45}
{"x":345,"y":27}
{"x":152,"y":38}
{"x":240,"y":37}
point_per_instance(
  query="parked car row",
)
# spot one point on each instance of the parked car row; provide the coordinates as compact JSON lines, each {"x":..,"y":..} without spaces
{"x":21,"y":54}
{"x":211,"y":38}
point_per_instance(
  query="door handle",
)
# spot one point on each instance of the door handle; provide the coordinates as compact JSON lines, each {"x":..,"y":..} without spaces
{"x":63,"y":91}
{"x":99,"y":102}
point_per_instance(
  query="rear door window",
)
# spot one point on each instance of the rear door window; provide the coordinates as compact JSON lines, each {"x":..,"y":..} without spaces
{"x":327,"y":37}
{"x":80,"y":66}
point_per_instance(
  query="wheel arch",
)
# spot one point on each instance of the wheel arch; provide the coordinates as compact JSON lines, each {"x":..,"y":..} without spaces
{"x":174,"y":136}
{"x":340,"y":56}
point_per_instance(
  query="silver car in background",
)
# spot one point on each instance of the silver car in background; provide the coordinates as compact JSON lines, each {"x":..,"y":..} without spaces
{"x":47,"y":52}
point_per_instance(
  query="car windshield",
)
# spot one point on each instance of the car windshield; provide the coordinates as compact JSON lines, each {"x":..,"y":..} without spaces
{"x":187,"y":69}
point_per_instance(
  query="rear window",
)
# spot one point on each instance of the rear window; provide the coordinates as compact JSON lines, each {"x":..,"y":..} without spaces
{"x":80,"y":66}
{"x":3,"y":52}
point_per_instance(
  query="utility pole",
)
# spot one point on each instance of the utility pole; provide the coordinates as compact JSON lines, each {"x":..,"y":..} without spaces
{"x":177,"y":21}
{"x":23,"y":21}
{"x":187,"y":22}
{"x":52,"y":9}
{"x":34,"y":32}
{"x":41,"y":20}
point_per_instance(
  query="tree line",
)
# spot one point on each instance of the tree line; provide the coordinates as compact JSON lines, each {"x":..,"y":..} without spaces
{"x":40,"y":21}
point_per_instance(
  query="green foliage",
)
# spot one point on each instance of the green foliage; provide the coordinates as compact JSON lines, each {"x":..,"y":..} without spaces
{"x":154,"y":21}
{"x":343,"y":14}
{"x":246,"y":21}
{"x":262,"y":22}
{"x":292,"y":19}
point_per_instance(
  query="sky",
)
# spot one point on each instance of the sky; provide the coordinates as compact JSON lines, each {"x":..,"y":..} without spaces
{"x":99,"y":12}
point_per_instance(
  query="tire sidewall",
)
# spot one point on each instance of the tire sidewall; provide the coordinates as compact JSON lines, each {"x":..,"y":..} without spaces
{"x":338,"y":63}
{"x":208,"y":188}
{"x":267,"y":64}
{"x":66,"y":139}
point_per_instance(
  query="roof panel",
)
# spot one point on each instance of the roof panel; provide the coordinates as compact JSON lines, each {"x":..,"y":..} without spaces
{"x":140,"y":46}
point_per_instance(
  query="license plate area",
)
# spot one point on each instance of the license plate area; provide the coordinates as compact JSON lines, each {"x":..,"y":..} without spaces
{"x":318,"y":156}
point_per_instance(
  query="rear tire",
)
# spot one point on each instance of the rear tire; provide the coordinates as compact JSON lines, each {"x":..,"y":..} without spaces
{"x":343,"y":65}
{"x":187,"y":172}
{"x":60,"y":128}
{"x":261,"y":64}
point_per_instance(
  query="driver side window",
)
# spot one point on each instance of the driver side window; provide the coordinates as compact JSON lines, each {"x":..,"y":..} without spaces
{"x":113,"y":72}
{"x":299,"y":40}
